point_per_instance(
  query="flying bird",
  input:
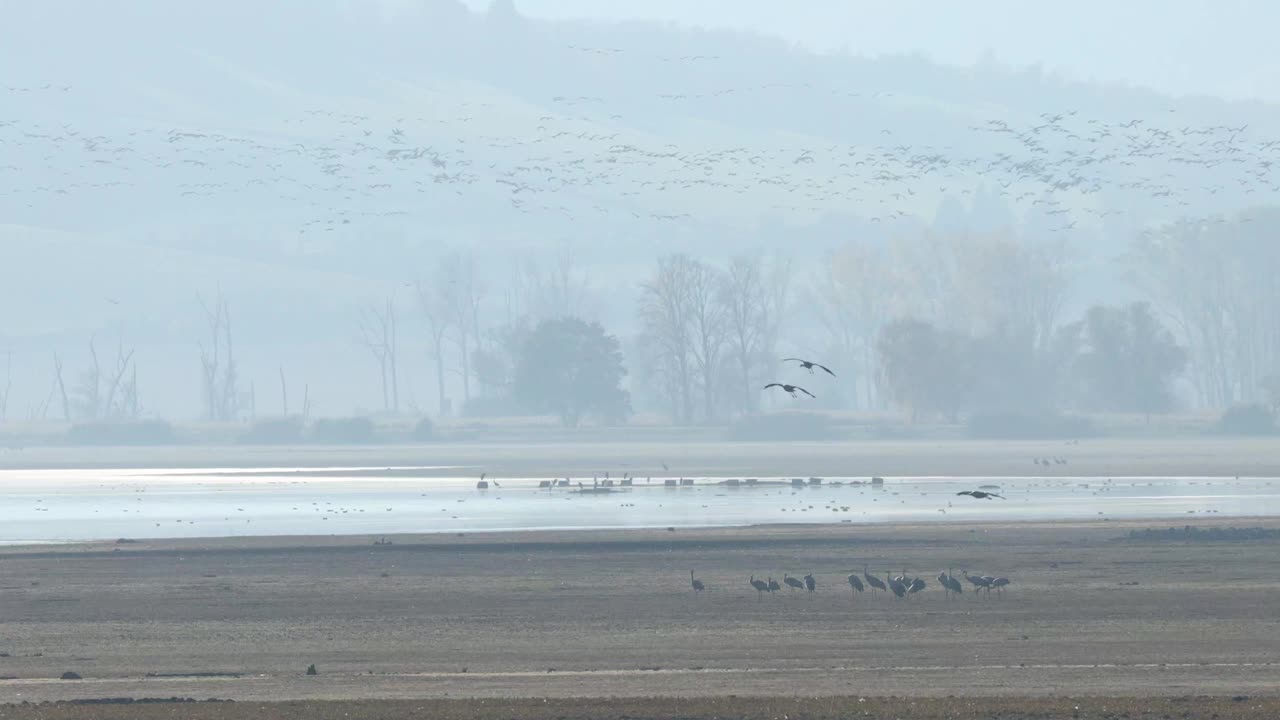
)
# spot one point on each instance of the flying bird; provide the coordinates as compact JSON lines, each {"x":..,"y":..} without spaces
{"x":807,"y":365}
{"x":790,"y":389}
{"x":980,"y":495}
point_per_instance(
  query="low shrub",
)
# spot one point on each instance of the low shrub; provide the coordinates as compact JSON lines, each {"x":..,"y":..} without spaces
{"x":782,"y":426}
{"x":141,"y":432}
{"x":1247,"y":420}
{"x":274,"y":431}
{"x":424,"y":430}
{"x":492,"y":406}
{"x":1029,"y":426}
{"x":343,"y":431}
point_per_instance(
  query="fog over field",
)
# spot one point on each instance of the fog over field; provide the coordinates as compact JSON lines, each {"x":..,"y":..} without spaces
{"x":236,"y":210}
{"x":639,"y":358}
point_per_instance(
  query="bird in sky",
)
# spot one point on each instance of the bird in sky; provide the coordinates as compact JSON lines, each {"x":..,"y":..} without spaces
{"x":808,"y":365}
{"x":790,"y":389}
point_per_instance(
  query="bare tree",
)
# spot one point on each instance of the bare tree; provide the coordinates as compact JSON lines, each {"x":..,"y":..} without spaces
{"x":378,"y":333}
{"x":88,"y":393}
{"x":101,"y":394}
{"x":921,"y":270}
{"x":61,"y":388}
{"x":218,"y":364}
{"x":747,"y":308}
{"x":284,"y":394}
{"x":743,"y":294}
{"x":708,"y":327}
{"x":778,"y":282}
{"x":853,"y":296}
{"x":465,"y":292}
{"x":553,"y":290}
{"x":434,"y":302}
{"x":666,"y":314}
{"x":1214,"y":280}
{"x":251,"y":398}
{"x":1181,"y":268}
{"x":1012,"y":286}
{"x":129,"y":394}
{"x":120,"y":407}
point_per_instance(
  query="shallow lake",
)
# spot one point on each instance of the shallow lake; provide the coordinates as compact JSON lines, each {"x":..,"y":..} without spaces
{"x":58,"y":505}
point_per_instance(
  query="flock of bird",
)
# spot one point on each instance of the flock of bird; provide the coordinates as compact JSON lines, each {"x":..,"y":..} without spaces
{"x":580,"y":156}
{"x":900,"y":586}
{"x":810,"y":365}
{"x":793,"y":389}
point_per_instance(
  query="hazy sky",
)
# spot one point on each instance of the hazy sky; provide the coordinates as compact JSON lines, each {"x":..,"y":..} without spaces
{"x":1218,"y":47}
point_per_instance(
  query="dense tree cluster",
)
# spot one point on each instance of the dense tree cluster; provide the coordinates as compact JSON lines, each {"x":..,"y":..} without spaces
{"x":939,"y":326}
{"x":571,"y":368}
{"x":1117,"y":359}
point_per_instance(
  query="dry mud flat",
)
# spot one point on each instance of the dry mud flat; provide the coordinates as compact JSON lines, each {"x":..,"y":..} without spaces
{"x":1183,"y":708}
{"x":574,"y":616}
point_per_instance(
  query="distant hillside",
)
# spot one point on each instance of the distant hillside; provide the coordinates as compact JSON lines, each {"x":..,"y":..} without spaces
{"x":290,"y":79}
{"x":310,"y":156}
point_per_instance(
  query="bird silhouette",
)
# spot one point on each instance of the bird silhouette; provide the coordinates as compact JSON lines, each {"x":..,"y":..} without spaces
{"x":790,"y":389}
{"x":696,"y":583}
{"x":855,"y":584}
{"x":916,"y":585}
{"x":980,"y":494}
{"x":875,"y":582}
{"x":809,"y":365}
{"x":950,"y":584}
{"x":998,"y":584}
{"x":979,"y":583}
{"x":896,"y":586}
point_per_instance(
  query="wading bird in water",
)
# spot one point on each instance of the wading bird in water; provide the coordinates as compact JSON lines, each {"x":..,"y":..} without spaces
{"x":809,"y":365}
{"x":790,"y":389}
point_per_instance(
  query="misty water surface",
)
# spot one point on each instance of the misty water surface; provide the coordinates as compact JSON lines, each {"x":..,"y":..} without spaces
{"x":93,"y":504}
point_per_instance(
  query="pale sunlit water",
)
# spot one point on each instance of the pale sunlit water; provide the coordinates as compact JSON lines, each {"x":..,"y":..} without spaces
{"x":58,"y":505}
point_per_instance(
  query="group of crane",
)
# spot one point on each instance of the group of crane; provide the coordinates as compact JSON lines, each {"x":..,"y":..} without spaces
{"x":901,"y":585}
{"x":793,"y":389}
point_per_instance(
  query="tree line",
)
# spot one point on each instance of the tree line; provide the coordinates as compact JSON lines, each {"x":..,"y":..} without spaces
{"x":936,"y":325}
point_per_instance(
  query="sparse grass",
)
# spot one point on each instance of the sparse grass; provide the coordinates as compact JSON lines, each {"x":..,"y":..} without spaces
{"x":1191,"y":533}
{"x":726,"y":708}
